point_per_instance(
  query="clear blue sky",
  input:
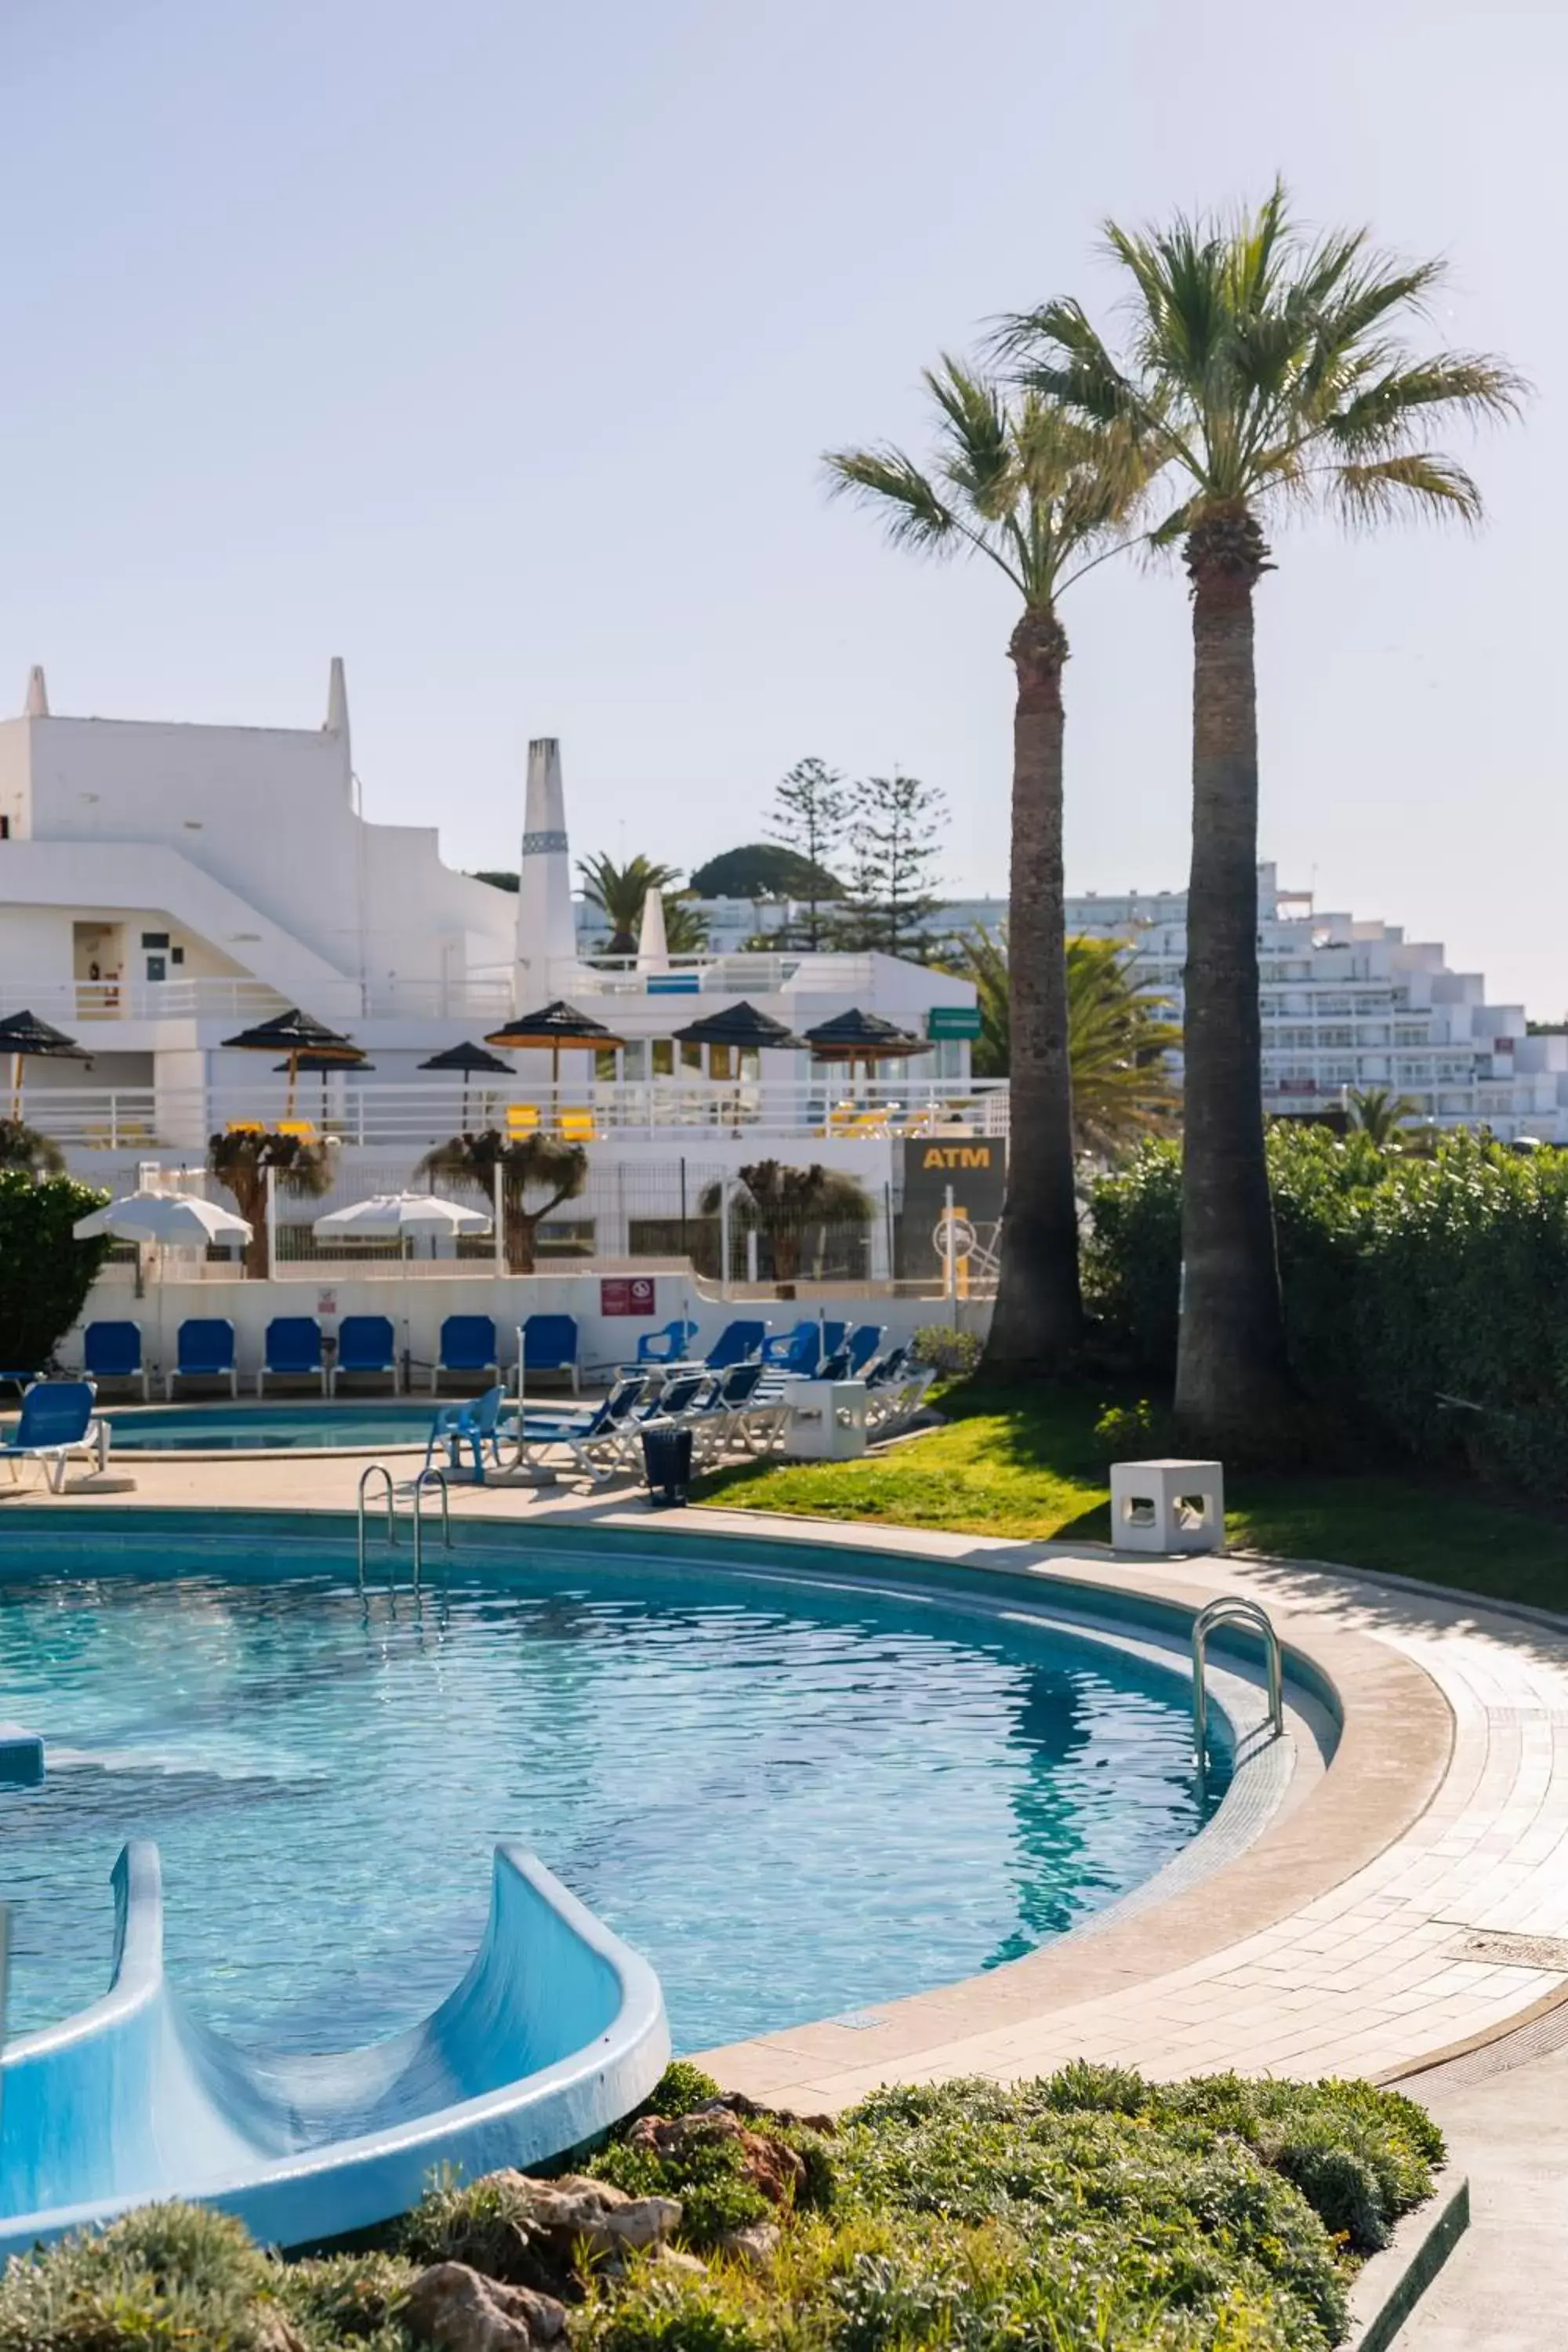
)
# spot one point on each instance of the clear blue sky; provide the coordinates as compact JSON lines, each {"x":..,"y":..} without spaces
{"x":493,"y":346}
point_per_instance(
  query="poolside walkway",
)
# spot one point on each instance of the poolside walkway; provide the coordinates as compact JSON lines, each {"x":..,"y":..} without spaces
{"x":1415,"y":1900}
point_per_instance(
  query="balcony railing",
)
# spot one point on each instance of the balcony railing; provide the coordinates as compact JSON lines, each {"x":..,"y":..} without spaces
{"x":127,"y":1119}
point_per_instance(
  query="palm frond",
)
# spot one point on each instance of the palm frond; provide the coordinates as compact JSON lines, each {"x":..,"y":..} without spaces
{"x":1419,"y":482}
{"x":911,"y":511}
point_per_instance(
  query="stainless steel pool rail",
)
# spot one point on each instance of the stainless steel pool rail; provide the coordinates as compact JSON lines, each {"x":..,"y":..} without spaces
{"x":1235,"y":1609}
{"x":374,"y":1470}
{"x":429,"y":1476}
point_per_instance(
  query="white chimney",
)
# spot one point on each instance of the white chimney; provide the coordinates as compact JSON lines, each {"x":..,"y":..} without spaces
{"x":36,"y":705}
{"x":653,"y":952}
{"x":546,"y":932}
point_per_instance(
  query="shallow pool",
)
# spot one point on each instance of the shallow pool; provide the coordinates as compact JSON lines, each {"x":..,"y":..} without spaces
{"x":268,"y":1427}
{"x":797,"y":1796}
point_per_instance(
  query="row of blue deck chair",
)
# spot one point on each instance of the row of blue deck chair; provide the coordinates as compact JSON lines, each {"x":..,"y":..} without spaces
{"x":293,"y":1348}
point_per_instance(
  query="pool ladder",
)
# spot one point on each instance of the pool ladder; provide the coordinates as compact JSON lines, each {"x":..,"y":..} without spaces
{"x":1234,"y":1609}
{"x":427,"y":1479}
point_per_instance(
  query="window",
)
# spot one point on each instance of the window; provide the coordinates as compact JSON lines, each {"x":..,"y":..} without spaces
{"x":661,"y":1053}
{"x":155,"y":939}
{"x":1336,"y":1037}
{"x":605,"y":1066}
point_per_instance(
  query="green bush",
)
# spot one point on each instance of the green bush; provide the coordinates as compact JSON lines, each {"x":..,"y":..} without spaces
{"x":1426,"y":1300}
{"x":954,"y":1354}
{"x":45,"y":1273}
{"x":1091,"y":2208}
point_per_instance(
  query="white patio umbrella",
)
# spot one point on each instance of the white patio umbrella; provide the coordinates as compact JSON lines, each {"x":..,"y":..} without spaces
{"x":167,"y":1221}
{"x":653,"y":950}
{"x":390,"y":1216}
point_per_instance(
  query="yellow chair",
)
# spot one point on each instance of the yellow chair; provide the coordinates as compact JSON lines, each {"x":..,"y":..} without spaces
{"x":244,"y":1127}
{"x":578,"y":1126}
{"x":522,"y":1119}
{"x":304,"y":1129}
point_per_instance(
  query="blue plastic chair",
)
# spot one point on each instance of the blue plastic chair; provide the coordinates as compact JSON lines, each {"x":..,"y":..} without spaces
{"x":834,"y":1335}
{"x":367,"y":1343}
{"x":204,"y":1350}
{"x":798,"y":1351}
{"x":113,"y":1351}
{"x":468,"y":1345}
{"x":669,"y":1346}
{"x":293,"y":1351}
{"x":864,"y":1342}
{"x":550,"y":1345}
{"x":737,"y":1343}
{"x":476,"y":1425}
{"x":58,"y":1424}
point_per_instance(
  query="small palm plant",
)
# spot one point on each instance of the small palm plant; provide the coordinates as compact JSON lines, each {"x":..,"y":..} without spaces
{"x":619,"y":892}
{"x":242,"y":1162}
{"x":1381,"y":1116}
{"x":1118,"y":1038}
{"x":27,"y":1148}
{"x":527,"y":1163}
{"x":790,"y":1207}
{"x":1043,"y":495}
{"x":1269,"y":371}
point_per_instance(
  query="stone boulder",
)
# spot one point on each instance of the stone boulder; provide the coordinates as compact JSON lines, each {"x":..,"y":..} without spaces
{"x":457,"y":2310}
{"x":770,"y":2164}
{"x":538,"y":2229}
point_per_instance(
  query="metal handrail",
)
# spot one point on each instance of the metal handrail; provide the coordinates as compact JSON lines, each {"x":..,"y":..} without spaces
{"x":1235,"y":1609}
{"x":429,"y":1476}
{"x":376,"y":1470}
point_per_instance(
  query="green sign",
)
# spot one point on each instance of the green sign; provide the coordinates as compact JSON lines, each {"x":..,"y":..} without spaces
{"x":952,"y":1021}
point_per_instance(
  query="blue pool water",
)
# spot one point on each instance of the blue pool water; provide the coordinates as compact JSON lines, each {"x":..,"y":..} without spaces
{"x":270,"y":1427}
{"x":796,"y":1799}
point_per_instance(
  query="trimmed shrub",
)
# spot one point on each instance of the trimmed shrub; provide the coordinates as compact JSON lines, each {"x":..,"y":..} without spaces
{"x":45,"y":1273}
{"x":1426,"y":1300}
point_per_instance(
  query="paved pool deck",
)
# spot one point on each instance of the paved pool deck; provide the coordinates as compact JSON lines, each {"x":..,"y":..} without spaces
{"x":1412,"y":1899}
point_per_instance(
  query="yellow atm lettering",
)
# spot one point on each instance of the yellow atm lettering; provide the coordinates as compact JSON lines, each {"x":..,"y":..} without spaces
{"x":957,"y":1155}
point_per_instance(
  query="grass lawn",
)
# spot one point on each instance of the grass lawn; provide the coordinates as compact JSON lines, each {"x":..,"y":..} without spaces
{"x":1025,"y":1463}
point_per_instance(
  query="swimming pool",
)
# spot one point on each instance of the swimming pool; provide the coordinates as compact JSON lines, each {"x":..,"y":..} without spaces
{"x":800,"y":1783}
{"x":358,"y":1423}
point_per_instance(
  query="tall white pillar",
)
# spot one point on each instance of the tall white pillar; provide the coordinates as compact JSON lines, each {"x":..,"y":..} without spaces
{"x":546,"y":932}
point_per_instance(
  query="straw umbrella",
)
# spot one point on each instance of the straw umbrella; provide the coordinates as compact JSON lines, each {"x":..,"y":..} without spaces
{"x":739,"y":1029}
{"x":856,"y":1037}
{"x":27,"y":1039}
{"x":472,"y":1061}
{"x":561,"y":1027}
{"x":295,"y":1033}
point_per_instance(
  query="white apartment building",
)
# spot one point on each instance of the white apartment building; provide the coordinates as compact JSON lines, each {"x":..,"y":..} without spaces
{"x":1351,"y":1002}
{"x":165,"y":886}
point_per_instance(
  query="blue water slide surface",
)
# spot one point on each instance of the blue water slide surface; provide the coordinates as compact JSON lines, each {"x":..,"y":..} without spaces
{"x":556,"y":2030}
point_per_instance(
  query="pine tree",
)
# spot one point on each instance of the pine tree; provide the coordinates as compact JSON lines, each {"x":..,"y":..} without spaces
{"x":809,"y":814}
{"x":894,"y":836}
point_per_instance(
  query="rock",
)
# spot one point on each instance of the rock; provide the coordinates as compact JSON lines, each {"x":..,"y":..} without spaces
{"x":276,"y":2332}
{"x":755,"y":2246}
{"x":771,"y":2165}
{"x":458,"y":2310}
{"x":736,"y":2102}
{"x":542,"y":2228}
{"x":676,"y":2258}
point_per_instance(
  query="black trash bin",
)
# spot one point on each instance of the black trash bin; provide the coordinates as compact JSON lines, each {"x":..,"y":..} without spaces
{"x":667,"y":1461}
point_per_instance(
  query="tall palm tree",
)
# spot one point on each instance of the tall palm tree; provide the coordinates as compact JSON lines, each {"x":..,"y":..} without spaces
{"x":527,"y":1163}
{"x":1118,"y":1038}
{"x":1269,"y":369}
{"x":1043,"y":496}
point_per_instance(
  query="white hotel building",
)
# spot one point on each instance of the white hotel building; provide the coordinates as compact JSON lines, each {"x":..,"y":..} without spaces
{"x":1351,"y":1002}
{"x":163,"y":886}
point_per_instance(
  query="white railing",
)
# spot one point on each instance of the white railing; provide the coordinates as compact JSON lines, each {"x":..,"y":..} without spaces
{"x":128,"y":1118}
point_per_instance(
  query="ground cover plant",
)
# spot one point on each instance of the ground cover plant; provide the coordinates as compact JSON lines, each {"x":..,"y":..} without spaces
{"x":1089,"y":2209}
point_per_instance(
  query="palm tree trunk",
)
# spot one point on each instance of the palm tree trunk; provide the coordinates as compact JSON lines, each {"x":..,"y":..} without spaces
{"x":1232,"y":1391}
{"x":1038,"y":1320}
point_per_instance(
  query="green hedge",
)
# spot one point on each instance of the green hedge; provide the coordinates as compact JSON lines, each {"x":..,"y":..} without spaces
{"x":1426,"y":1299}
{"x":44,"y":1275}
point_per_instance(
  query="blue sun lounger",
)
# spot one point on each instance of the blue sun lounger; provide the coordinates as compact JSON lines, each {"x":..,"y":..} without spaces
{"x":59,"y":1424}
{"x":555,"y":2032}
{"x":204,"y":1350}
{"x":468,"y":1345}
{"x":293,"y":1351}
{"x":113,"y":1351}
{"x":367,"y":1343}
